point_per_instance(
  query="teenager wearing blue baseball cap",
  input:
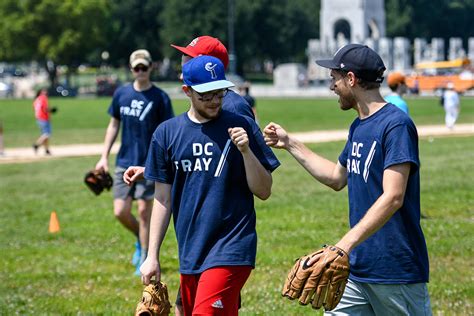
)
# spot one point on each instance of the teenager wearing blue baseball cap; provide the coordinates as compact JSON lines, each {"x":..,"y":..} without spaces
{"x":380,"y":165}
{"x":208,"y":164}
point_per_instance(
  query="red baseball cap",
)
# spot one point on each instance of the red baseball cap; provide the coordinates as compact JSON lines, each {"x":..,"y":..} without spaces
{"x":205,"y":45}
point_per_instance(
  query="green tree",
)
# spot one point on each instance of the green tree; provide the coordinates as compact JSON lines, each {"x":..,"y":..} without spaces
{"x":263,"y":29}
{"x":428,"y":19}
{"x":275,"y":30}
{"x":133,"y":24}
{"x":52,"y":32}
{"x":185,"y":20}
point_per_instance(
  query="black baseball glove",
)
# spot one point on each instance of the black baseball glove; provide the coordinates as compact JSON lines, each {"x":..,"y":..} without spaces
{"x":98,"y":180}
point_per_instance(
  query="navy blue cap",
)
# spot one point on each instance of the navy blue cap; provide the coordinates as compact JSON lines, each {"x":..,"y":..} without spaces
{"x":205,"y":73}
{"x":363,"y":61}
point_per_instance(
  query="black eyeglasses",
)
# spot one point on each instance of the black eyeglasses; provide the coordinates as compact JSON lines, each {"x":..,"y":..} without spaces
{"x":140,"y":68}
{"x":208,"y":96}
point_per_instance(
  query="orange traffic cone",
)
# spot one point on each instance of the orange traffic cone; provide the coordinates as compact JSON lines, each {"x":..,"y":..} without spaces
{"x":53,"y":223}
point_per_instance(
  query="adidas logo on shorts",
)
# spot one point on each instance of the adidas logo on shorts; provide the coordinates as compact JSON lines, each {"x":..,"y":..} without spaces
{"x":218,"y":304}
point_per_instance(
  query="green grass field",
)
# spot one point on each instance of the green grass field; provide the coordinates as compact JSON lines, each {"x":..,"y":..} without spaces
{"x":85,"y":120}
{"x":85,"y":269}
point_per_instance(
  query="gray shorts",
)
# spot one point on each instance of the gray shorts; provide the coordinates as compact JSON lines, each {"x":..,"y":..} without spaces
{"x":140,"y":190}
{"x":366,"y":299}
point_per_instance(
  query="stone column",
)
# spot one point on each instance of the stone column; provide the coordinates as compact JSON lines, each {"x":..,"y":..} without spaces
{"x":437,"y":49}
{"x":386,"y":52}
{"x":401,"y":54}
{"x":313,"y":53}
{"x":455,"y":48}
{"x":420,"y":47}
{"x":470,"y":45}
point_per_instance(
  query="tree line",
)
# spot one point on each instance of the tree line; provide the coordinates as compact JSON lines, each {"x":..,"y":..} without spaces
{"x":73,"y":32}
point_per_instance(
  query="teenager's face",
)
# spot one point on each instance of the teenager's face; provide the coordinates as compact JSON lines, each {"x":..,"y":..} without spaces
{"x":341,"y":87}
{"x":141,"y":72}
{"x":206,"y":105}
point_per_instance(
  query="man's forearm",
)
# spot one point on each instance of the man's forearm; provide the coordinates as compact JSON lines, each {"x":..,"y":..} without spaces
{"x":259,"y":179}
{"x":160,"y":219}
{"x":379,"y":214}
{"x":110,"y":136}
{"x":395,"y":180}
{"x":320,"y":168}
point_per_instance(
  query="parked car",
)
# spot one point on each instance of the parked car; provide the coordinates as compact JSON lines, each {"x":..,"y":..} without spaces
{"x":106,"y":85}
{"x":6,"y":90}
{"x":62,"y":91}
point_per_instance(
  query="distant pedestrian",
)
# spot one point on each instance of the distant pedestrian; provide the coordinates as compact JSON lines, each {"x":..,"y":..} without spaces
{"x":42,"y":115}
{"x":451,"y":105}
{"x":396,"y":83}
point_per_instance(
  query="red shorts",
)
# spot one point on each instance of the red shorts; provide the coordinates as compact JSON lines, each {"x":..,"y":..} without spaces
{"x":215,"y":291}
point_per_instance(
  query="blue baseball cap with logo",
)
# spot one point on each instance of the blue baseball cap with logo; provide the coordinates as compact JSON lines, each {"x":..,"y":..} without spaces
{"x":205,"y":73}
{"x":364,"y":62}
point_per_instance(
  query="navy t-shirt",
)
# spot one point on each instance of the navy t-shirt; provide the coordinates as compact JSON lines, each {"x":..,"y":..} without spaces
{"x":235,"y":103}
{"x":140,"y":112}
{"x":212,"y":205}
{"x":396,"y":253}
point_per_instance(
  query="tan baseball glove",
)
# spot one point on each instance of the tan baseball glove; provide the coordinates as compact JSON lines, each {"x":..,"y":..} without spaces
{"x":321,"y":284}
{"x":155,"y":301}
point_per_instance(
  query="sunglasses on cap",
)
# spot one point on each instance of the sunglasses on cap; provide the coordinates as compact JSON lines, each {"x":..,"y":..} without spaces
{"x":140,"y":68}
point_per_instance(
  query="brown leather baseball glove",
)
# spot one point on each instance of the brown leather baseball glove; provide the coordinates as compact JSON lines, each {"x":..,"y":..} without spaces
{"x":98,"y":180}
{"x":155,"y":301}
{"x":321,"y":284}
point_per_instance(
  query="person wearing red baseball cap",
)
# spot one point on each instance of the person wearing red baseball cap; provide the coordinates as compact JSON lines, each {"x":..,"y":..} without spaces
{"x":205,"y":45}
{"x":211,"y":46}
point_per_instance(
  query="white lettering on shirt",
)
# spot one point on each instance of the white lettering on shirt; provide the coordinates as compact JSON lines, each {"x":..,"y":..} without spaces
{"x":353,"y":163}
{"x":199,"y":163}
{"x":136,"y":109}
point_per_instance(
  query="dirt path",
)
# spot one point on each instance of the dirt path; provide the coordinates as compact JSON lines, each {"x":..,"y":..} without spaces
{"x":26,"y":154}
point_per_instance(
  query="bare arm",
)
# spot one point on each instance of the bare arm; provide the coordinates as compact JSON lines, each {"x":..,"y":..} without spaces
{"x":259,"y":179}
{"x":395,"y":180}
{"x":325,"y":171}
{"x":110,"y":136}
{"x":160,"y":219}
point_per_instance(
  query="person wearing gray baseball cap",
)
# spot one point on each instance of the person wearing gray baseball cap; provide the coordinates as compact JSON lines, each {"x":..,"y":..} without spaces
{"x":137,"y":108}
{"x":379,"y":164}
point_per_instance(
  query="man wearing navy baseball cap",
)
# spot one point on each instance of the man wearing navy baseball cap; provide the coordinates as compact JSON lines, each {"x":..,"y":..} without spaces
{"x":207,"y":165}
{"x":380,"y":164}
{"x":365,"y":63}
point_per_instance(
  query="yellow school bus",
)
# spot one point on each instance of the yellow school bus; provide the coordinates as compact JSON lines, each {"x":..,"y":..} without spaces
{"x":431,"y":76}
